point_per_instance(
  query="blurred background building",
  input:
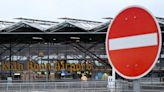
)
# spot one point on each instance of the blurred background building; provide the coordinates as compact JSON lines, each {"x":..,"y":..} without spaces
{"x":59,"y":50}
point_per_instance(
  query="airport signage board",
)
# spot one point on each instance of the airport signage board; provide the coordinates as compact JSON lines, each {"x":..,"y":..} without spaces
{"x":33,"y":66}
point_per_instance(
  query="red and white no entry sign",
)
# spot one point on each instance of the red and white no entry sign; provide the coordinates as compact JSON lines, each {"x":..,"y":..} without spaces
{"x":133,"y":42}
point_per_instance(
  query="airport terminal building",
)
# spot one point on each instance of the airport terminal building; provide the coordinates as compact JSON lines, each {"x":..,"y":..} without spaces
{"x":32,"y":49}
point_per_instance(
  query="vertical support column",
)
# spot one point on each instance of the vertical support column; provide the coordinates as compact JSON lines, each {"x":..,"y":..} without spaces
{"x":10,"y":58}
{"x":48,"y":71}
{"x":9,"y":78}
{"x":160,"y":68}
{"x":136,"y":86}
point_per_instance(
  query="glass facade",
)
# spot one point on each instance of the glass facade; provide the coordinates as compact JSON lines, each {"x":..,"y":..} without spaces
{"x":53,"y":61}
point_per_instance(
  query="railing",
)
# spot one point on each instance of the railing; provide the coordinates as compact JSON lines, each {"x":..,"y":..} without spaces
{"x":79,"y":86}
{"x":48,"y":86}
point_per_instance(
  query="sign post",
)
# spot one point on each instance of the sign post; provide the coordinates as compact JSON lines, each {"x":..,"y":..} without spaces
{"x":136,"y":85}
{"x":133,"y":43}
{"x":112,"y":81}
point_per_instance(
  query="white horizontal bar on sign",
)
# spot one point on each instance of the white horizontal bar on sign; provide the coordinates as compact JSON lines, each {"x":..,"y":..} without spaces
{"x":133,"y":41}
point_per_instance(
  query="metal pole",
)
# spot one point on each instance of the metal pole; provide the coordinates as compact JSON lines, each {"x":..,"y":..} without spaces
{"x":10,"y":59}
{"x":48,"y":71}
{"x":113,"y":74}
{"x":136,"y":86}
{"x":9,"y":78}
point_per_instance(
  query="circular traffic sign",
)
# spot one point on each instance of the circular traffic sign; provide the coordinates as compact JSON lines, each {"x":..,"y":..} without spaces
{"x":133,"y":42}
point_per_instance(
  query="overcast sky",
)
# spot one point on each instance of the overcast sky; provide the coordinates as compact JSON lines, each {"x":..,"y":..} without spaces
{"x":81,"y":9}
